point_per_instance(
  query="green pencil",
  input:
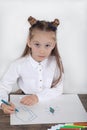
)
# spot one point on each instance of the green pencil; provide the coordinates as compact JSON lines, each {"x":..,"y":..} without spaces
{"x":73,"y":126}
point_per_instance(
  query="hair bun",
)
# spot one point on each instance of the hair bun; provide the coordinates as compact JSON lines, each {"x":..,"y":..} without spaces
{"x":56,"y":22}
{"x":32,"y":20}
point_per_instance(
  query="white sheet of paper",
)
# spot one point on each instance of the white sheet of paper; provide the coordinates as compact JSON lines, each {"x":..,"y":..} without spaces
{"x":67,"y":108}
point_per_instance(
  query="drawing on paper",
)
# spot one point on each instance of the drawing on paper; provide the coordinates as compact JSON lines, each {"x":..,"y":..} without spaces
{"x":52,"y":110}
{"x":25,"y":114}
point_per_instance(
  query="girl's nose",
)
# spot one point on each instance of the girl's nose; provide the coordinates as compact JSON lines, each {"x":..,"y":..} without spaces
{"x":42,"y":50}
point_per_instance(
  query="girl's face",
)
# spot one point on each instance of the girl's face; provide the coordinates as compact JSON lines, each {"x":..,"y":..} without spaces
{"x":41,"y":44}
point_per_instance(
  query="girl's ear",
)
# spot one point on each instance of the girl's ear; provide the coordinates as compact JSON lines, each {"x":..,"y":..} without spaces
{"x":53,"y":45}
{"x":28,"y":42}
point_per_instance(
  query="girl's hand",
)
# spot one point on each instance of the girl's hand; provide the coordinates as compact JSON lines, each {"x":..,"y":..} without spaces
{"x":29,"y":100}
{"x":8,"y":109}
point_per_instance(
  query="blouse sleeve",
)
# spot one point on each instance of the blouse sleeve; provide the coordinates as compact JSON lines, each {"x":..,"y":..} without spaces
{"x":8,"y":80}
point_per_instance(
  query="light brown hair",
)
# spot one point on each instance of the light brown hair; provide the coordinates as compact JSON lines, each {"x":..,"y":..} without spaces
{"x":45,"y":26}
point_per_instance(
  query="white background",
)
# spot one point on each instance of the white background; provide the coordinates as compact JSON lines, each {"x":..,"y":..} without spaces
{"x":71,"y":35}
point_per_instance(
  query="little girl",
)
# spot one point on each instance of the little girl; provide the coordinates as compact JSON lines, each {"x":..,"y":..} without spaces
{"x":39,"y":71}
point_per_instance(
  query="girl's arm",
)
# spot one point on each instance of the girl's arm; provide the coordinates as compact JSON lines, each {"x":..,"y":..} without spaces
{"x":8,"y":80}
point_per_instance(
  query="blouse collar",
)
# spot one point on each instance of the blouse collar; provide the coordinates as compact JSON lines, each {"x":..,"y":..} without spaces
{"x":35,"y":64}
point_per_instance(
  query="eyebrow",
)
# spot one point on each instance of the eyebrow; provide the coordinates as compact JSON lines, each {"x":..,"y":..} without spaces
{"x":44,"y":43}
{"x":36,"y":41}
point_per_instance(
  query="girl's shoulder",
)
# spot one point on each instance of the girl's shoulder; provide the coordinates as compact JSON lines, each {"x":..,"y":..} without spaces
{"x":20,"y":61}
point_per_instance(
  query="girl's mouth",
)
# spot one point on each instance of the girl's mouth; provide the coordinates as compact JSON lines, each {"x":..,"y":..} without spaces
{"x":42,"y":56}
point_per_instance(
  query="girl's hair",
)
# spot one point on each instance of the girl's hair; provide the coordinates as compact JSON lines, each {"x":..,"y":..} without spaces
{"x":45,"y":26}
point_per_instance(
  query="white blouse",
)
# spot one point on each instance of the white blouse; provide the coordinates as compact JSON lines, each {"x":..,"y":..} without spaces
{"x":32,"y":77}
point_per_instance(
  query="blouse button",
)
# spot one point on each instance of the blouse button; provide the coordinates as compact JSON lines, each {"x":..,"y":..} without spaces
{"x":40,"y":80}
{"x":40,"y":88}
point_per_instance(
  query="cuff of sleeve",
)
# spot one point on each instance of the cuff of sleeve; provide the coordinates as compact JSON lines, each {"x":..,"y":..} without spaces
{"x":40,"y":97}
{"x":45,"y":96}
{"x":5,"y":98}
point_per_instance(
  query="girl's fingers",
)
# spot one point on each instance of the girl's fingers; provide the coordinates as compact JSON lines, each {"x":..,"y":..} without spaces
{"x":12,"y":105}
{"x":29,"y":100}
{"x":25,"y":99}
{"x":8,"y":109}
{"x":26,"y":102}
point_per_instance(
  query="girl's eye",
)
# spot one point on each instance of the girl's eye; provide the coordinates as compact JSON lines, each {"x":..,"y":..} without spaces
{"x":37,"y":44}
{"x":48,"y":45}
